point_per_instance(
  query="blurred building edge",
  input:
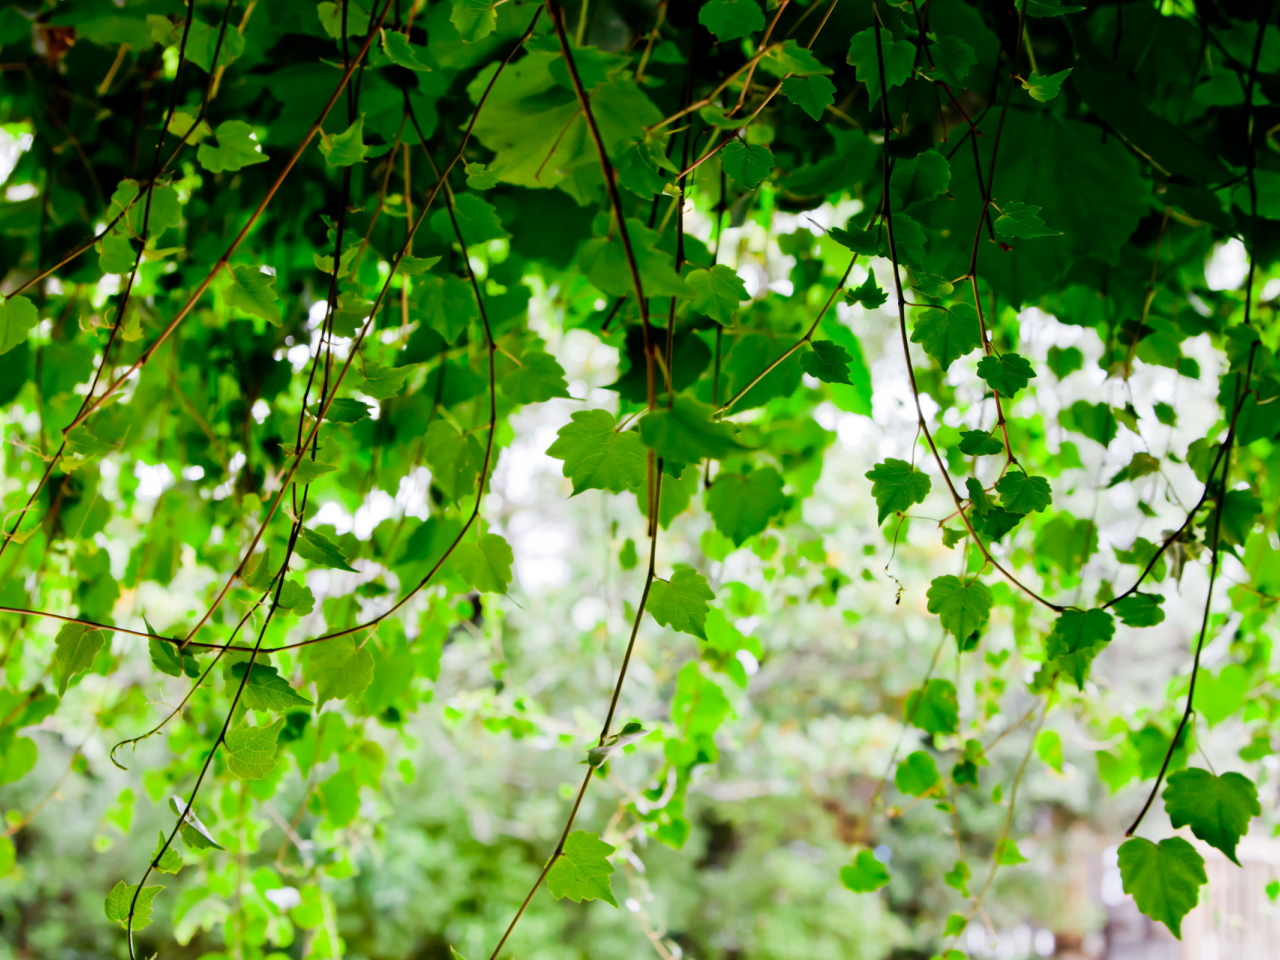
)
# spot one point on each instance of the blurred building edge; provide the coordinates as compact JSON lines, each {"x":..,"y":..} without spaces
{"x":1234,"y":920}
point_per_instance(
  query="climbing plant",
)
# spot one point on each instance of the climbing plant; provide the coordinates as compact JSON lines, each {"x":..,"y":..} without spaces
{"x":271,"y":264}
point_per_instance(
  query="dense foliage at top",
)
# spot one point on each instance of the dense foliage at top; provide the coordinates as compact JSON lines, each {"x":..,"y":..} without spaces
{"x":262,"y":259}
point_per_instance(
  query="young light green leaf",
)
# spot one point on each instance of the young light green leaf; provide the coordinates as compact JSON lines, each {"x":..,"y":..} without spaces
{"x":630,"y":733}
{"x":17,"y":316}
{"x":340,"y":667}
{"x":267,"y":690}
{"x":582,"y":870}
{"x":346,"y":148}
{"x":688,"y":433}
{"x":1217,"y":808}
{"x":76,"y":646}
{"x":1024,"y":494}
{"x":474,"y":19}
{"x":253,"y":292}
{"x":979,"y":443}
{"x":934,"y":708}
{"x":1006,"y":374}
{"x":1164,"y":879}
{"x":719,"y":292}
{"x":401,"y":52}
{"x":947,"y":334}
{"x":193,"y":832}
{"x":681,"y":602}
{"x":1045,"y":89}
{"x":963,"y":607}
{"x":1077,"y":630}
{"x":1021,"y":220}
{"x":741,"y":504}
{"x":454,"y":459}
{"x":917,"y":776}
{"x":747,"y":165}
{"x":597,"y":457}
{"x":811,"y":94}
{"x":170,"y":861}
{"x":381,"y":382}
{"x":896,"y":486}
{"x":899,"y":59}
{"x":485,"y":566}
{"x":251,"y":751}
{"x":319,"y":549}
{"x":119,"y":900}
{"x":234,"y":147}
{"x":865,"y":875}
{"x":538,"y":378}
{"x":868,"y":293}
{"x":957,"y":878}
{"x":1140,"y":610}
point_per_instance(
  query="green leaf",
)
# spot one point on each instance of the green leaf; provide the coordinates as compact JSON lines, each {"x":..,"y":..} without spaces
{"x":1049,"y":8}
{"x":1022,"y":220}
{"x":688,"y":433}
{"x":920,"y":178}
{"x":934,"y":707}
{"x":957,"y":878}
{"x":742,"y":504}
{"x":76,"y":646}
{"x":1220,"y":695}
{"x":979,"y":443}
{"x":485,"y":566}
{"x":538,"y":378}
{"x":166,"y":659}
{"x":952,"y":58}
{"x":267,"y":690}
{"x":747,"y":165}
{"x":865,"y":875}
{"x":343,"y":410}
{"x":1077,"y":630}
{"x":1045,"y":89}
{"x":1140,"y":610}
{"x":17,"y":316}
{"x":731,"y":19}
{"x":9,"y":856}
{"x":791,"y":59}
{"x":1006,"y":374}
{"x":454,"y":459}
{"x":681,"y":602}
{"x":330,"y":13}
{"x":1008,"y":854}
{"x":597,"y":457}
{"x":251,"y":751}
{"x":383,"y":383}
{"x":478,"y":221}
{"x":604,"y":262}
{"x":346,"y":148}
{"x":962,"y":607}
{"x":168,"y":862}
{"x":868,"y":293}
{"x":582,"y":870}
{"x":319,"y":549}
{"x":1024,"y":494}
{"x":827,"y":361}
{"x":917,"y":776}
{"x":400,"y":51}
{"x":253,"y":292}
{"x":896,"y":486}
{"x":340,"y":667}
{"x":118,"y":900}
{"x":1164,"y":879}
{"x":234,"y":147}
{"x":1218,"y":809}
{"x":719,"y":292}
{"x":474,"y":19}
{"x":947,"y":334}
{"x":811,"y":94}
{"x":899,"y":60}
{"x":1049,"y":748}
{"x":630,"y":733}
{"x":193,"y":832}
{"x":955,"y":925}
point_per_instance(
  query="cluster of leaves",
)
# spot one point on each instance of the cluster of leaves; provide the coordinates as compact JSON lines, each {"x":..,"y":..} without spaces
{"x":331,"y":277}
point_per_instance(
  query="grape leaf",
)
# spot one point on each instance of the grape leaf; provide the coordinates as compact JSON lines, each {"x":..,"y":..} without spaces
{"x":979,"y":443}
{"x":811,"y":94}
{"x":170,"y":861}
{"x":1024,"y":494}
{"x":681,"y":602}
{"x":340,"y":667}
{"x":962,"y":607}
{"x":742,"y":504}
{"x":76,"y":646}
{"x":731,"y":19}
{"x":747,"y":165}
{"x":251,"y":751}
{"x":539,"y":377}
{"x":1217,"y":808}
{"x":868,"y":293}
{"x":917,"y":776}
{"x":827,"y":361}
{"x":934,"y":708}
{"x":267,"y":690}
{"x":1164,"y":879}
{"x":688,"y":433}
{"x":896,"y":486}
{"x":1045,"y":88}
{"x":18,"y":315}
{"x":946,"y":335}
{"x":474,"y":19}
{"x":400,"y":51}
{"x":582,"y":870}
{"x":253,"y":292}
{"x":234,"y":147}
{"x":1006,"y":374}
{"x":346,"y":148}
{"x":319,"y":549}
{"x":485,"y":566}
{"x":899,"y":60}
{"x":597,"y":457}
{"x":865,"y":875}
{"x":1021,"y":220}
{"x":119,"y":899}
{"x":719,"y":292}
{"x":1140,"y":610}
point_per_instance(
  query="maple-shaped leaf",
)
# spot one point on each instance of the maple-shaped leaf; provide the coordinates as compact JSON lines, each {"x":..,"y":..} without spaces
{"x":382,"y":382}
{"x":478,"y":221}
{"x":17,"y":316}
{"x":1045,"y":88}
{"x":947,"y":334}
{"x":118,"y":901}
{"x":253,"y":292}
{"x":681,"y":602}
{"x":867,"y":293}
{"x":899,"y":60}
{"x":1218,"y":809}
{"x":731,"y":19}
{"x":827,"y":361}
{"x":963,"y":607}
{"x":346,"y":148}
{"x":474,"y":19}
{"x":952,"y":58}
{"x":1024,"y":494}
{"x":251,"y":751}
{"x":582,"y":870}
{"x":896,"y":486}
{"x":1006,"y":374}
{"x":811,"y":94}
{"x":455,"y":459}
{"x":934,"y":707}
{"x":319,"y":549}
{"x":539,"y":377}
{"x":865,"y":874}
{"x":1021,"y":220}
{"x":340,"y":667}
{"x":979,"y":443}
{"x":1164,"y":879}
{"x":192,"y":830}
{"x":917,"y":775}
{"x":401,"y":52}
{"x":234,"y":146}
{"x":597,"y":457}
{"x":267,"y":690}
{"x":741,"y":504}
{"x":170,"y":861}
{"x":688,"y":432}
{"x":746,"y":164}
{"x":485,"y":566}
{"x":75,"y":648}
{"x":1078,"y":630}
{"x":719,"y":292}
{"x":1140,"y":610}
